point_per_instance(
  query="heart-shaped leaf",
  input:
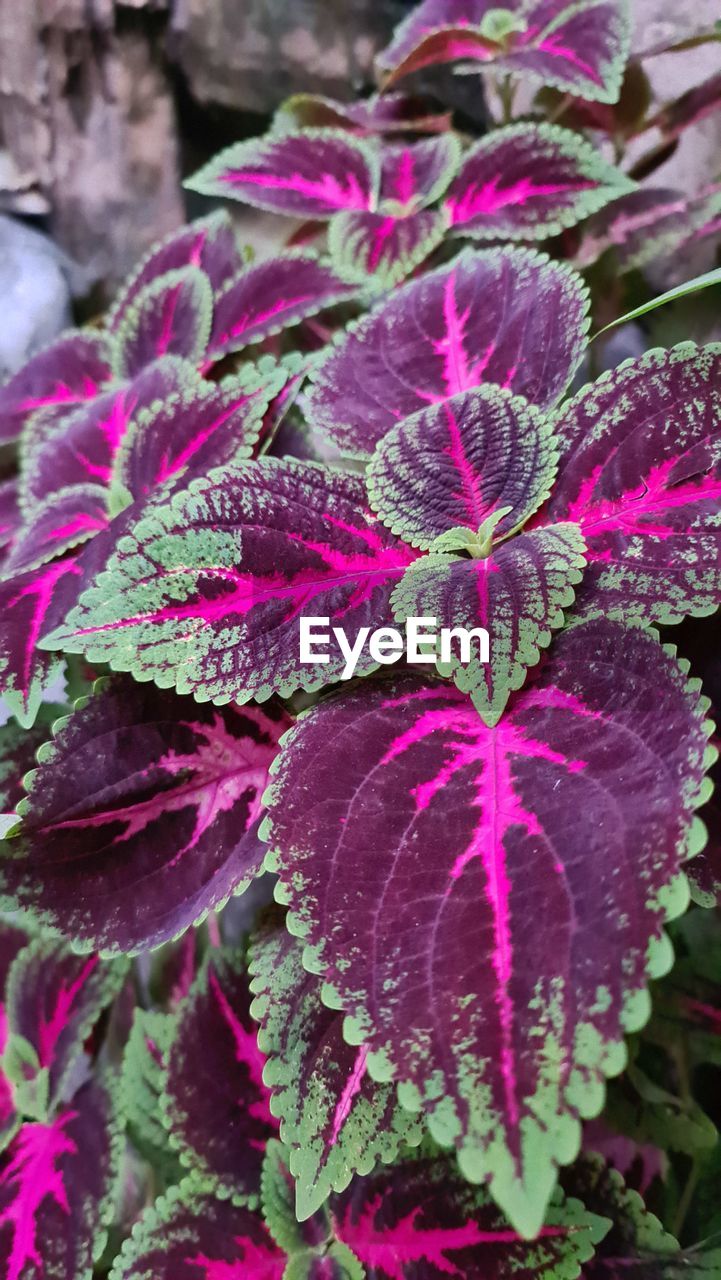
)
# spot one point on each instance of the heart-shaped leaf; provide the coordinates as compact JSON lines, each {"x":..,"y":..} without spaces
{"x":530,"y":181}
{"x":460,"y":462}
{"x":506,"y":316}
{"x":170,"y":316}
{"x":580,"y":48}
{"x":208,"y":592}
{"x":417,"y":174}
{"x":140,"y":788}
{"x":640,"y":472}
{"x":305,"y":175}
{"x":216,"y":1106}
{"x":379,"y":250}
{"x":269,"y":296}
{"x":580,"y":801}
{"x":335,"y":1120}
{"x":517,"y":593}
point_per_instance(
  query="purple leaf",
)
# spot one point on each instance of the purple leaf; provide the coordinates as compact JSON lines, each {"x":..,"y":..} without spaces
{"x":208,"y":592}
{"x":641,"y":474}
{"x":379,"y":250}
{"x":417,"y":174}
{"x":80,"y":450}
{"x":580,"y":48}
{"x":500,"y":1028}
{"x":210,"y":244}
{"x":70,"y":371}
{"x":422,"y":1219}
{"x":170,"y":316}
{"x":191,"y":1235}
{"x":26,"y":605}
{"x":517,"y":591}
{"x":636,"y":1243}
{"x":192,"y":431}
{"x":530,"y":181}
{"x":507,"y":316}
{"x":54,"y":999}
{"x":12,"y":942}
{"x":10,"y":517}
{"x":216,"y":1106}
{"x":69,"y":517}
{"x":269,"y":296}
{"x":134,"y":824}
{"x":334,"y":1119}
{"x":56,"y":1183}
{"x":17,"y":757}
{"x":304,"y":175}
{"x":386,"y":113}
{"x":460,"y":462}
{"x":636,"y":226}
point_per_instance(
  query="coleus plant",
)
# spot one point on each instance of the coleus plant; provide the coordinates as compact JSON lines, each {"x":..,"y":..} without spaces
{"x":478,"y":864}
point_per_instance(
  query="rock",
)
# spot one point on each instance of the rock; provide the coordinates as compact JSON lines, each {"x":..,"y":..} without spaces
{"x":35,"y":289}
{"x":87,"y":120}
{"x":250,"y":56}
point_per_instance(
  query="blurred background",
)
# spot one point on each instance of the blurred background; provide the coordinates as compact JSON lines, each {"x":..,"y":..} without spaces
{"x":106,"y":104}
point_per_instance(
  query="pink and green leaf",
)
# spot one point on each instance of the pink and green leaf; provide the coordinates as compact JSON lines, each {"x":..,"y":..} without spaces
{"x":189,"y":1234}
{"x":530,"y":181}
{"x":640,"y":472}
{"x":335,"y":1120}
{"x":417,"y":174}
{"x":304,"y":175}
{"x":651,"y":224}
{"x":379,"y":250}
{"x":386,"y":113}
{"x":504,"y":1033}
{"x":506,"y":316}
{"x":53,"y":1000}
{"x":136,"y":815}
{"x":267,"y":297}
{"x":80,"y":450}
{"x":423,"y":1219}
{"x":216,"y":1106}
{"x":580,"y":48}
{"x":73,"y":369}
{"x":170,"y":316}
{"x":210,"y":244}
{"x":518,"y":592}
{"x":56,"y":1183}
{"x":460,"y":462}
{"x":26,"y":605}
{"x":208,"y":592}
{"x":69,"y":517}
{"x":189,"y":432}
